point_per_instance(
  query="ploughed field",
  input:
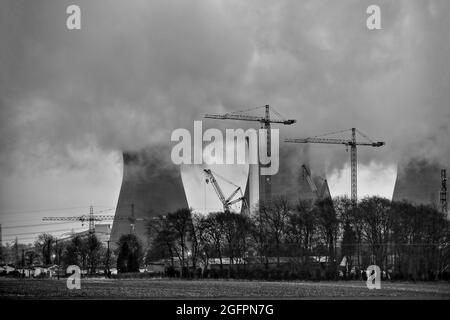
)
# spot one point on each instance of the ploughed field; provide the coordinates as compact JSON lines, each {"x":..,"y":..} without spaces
{"x":162,"y":288}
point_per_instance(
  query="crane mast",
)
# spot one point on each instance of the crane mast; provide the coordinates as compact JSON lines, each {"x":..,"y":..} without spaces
{"x":354,"y":168}
{"x":443,"y":192}
{"x":268,"y":179}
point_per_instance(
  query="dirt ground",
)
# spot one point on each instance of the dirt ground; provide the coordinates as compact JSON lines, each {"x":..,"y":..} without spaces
{"x":163,"y":288}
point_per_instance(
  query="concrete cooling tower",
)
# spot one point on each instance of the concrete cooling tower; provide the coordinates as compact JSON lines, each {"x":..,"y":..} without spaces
{"x":151,"y":186}
{"x":418,"y":182}
{"x":292,"y":182}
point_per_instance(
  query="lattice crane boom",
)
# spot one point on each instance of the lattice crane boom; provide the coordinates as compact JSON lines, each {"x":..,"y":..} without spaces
{"x":82,"y":218}
{"x":334,"y":141}
{"x":312,"y":185}
{"x":230,"y":116}
{"x":91,"y":218}
{"x":226,"y":202}
{"x":217,"y":189}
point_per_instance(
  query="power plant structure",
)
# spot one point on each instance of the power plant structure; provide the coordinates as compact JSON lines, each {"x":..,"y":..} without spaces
{"x":421,"y":182}
{"x":1,"y":245}
{"x":318,"y":185}
{"x":352,"y":143}
{"x":231,"y":199}
{"x":297,"y":179}
{"x":151,"y":186}
{"x":264,"y":184}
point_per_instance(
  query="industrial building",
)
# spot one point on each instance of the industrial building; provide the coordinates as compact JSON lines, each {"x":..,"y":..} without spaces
{"x":419,"y":182}
{"x":296,"y":180}
{"x":151,"y":186}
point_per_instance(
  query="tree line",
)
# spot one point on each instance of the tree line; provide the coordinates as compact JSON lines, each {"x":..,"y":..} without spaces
{"x":87,"y":252}
{"x":326,"y":239}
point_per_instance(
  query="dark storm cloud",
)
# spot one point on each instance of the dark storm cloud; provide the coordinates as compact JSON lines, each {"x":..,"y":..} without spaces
{"x":139,"y":69}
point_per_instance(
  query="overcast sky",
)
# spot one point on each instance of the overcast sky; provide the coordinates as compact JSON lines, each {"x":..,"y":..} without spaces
{"x":71,"y":101}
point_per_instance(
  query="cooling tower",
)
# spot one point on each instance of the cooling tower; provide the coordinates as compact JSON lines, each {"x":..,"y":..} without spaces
{"x":290,"y":181}
{"x":252,"y":190}
{"x":152,"y":184}
{"x":418,"y":182}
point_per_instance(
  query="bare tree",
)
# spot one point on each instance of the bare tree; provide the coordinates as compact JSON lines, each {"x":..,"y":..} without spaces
{"x":93,"y":248}
{"x":200,"y":239}
{"x":163,"y":240}
{"x":214,"y":229}
{"x":327,"y":224}
{"x":180,"y":222}
{"x":377,"y":220}
{"x":276,"y":213}
{"x":44,"y":244}
{"x":344,"y":210}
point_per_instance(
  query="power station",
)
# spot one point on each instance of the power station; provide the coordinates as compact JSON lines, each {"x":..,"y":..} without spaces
{"x":420,"y":181}
{"x":152,"y":184}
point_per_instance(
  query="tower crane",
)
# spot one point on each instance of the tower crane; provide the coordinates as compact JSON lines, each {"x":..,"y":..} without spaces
{"x":265,"y":124}
{"x":91,"y":218}
{"x":443,"y":192}
{"x":352,"y":143}
{"x":226,"y":202}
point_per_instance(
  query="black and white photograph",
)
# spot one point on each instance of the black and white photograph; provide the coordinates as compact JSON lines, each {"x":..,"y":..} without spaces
{"x":247,"y":151}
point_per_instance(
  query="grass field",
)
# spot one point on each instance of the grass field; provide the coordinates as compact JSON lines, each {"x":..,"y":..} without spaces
{"x":157,"y":288}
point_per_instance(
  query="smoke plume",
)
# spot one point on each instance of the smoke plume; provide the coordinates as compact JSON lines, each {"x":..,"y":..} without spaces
{"x":139,"y":69}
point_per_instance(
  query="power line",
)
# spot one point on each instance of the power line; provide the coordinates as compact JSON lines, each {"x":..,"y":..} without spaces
{"x":9,"y":212}
{"x":39,"y":232}
{"x":21,"y":238}
{"x":18,"y":220}
{"x":37,"y":225}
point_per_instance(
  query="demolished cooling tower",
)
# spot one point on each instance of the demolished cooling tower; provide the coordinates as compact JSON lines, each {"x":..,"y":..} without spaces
{"x":418,"y":182}
{"x":152,"y":184}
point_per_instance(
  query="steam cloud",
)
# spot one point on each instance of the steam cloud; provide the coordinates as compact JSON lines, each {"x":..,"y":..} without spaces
{"x":139,"y":69}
